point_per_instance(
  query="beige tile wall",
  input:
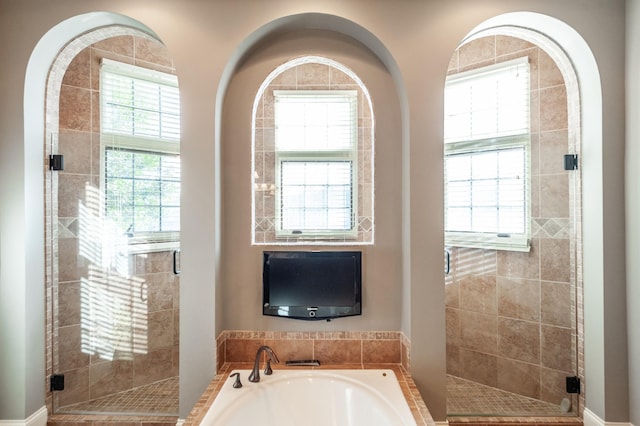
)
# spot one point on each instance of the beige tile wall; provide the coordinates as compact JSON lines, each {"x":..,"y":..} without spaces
{"x":336,"y":347}
{"x":511,"y":317}
{"x":88,"y":376}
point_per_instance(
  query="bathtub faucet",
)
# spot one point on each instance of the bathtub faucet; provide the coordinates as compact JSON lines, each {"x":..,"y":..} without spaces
{"x":255,"y":373}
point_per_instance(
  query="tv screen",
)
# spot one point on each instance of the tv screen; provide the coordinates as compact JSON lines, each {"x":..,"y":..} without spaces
{"x":312,"y":285}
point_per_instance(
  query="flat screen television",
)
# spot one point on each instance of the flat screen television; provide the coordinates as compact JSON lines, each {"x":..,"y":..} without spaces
{"x":312,"y":285}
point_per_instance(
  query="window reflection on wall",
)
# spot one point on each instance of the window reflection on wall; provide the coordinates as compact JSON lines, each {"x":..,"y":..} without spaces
{"x":114,"y":310}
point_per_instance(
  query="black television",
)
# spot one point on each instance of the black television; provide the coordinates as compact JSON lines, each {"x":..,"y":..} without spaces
{"x":312,"y":285}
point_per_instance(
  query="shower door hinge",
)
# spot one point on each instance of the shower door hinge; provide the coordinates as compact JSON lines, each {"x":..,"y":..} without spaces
{"x":56,"y":162}
{"x":56,"y":382}
{"x":573,"y":384}
{"x":571,"y":161}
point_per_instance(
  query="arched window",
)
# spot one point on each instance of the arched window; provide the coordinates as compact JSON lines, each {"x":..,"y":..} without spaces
{"x":313,"y":156}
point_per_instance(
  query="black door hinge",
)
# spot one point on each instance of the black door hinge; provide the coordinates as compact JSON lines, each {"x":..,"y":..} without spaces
{"x":56,"y":162}
{"x":571,"y":162}
{"x":573,"y":384}
{"x":56,"y":382}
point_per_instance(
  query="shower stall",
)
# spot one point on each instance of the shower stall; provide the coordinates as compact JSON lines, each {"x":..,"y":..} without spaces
{"x":112,"y":313}
{"x":514,"y":317}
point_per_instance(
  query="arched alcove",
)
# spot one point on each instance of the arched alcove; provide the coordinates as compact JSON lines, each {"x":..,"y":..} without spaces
{"x":249,"y":57}
{"x":594,"y":220}
{"x":385,"y":289}
{"x":578,"y":53}
{"x":45,"y":71}
{"x":89,"y":350}
{"x":512,"y":290}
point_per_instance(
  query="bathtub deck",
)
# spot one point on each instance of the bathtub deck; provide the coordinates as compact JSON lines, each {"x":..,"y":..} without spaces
{"x":414,"y":400}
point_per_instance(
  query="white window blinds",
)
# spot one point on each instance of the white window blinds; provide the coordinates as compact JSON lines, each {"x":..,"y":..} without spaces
{"x":310,"y":121}
{"x":316,"y":195}
{"x":487,"y":157}
{"x":142,"y":191}
{"x":316,"y":153}
{"x":140,"y":130}
{"x":490,"y":103}
{"x":486,"y":192}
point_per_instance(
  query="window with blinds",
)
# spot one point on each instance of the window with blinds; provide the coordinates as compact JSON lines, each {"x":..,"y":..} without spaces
{"x":140,"y":132}
{"x":316,"y":162}
{"x":487,"y":144}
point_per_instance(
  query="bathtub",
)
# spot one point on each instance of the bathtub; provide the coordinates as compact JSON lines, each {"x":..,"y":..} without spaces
{"x":311,"y":397}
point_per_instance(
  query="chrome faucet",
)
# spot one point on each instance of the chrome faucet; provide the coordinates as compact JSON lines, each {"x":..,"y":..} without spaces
{"x":255,"y":373}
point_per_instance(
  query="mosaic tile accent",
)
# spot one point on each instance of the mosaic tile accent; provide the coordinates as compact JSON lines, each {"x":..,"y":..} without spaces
{"x":550,"y":228}
{"x":366,"y":224}
{"x":514,"y":421}
{"x":156,"y":398}
{"x":67,"y":227}
{"x":110,"y":420}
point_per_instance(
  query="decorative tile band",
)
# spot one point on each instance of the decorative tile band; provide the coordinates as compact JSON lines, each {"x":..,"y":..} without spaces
{"x":313,"y":335}
{"x":334,"y":347}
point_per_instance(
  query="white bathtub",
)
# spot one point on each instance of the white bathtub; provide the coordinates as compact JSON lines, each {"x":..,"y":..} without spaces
{"x":312,"y":397}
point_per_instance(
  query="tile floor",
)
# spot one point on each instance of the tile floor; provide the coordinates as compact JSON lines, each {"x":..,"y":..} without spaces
{"x":156,"y":398}
{"x":467,"y":398}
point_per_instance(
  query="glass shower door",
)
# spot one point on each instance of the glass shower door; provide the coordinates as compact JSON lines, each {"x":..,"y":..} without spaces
{"x":513,"y":317}
{"x":113,"y":226}
{"x":116,"y":314}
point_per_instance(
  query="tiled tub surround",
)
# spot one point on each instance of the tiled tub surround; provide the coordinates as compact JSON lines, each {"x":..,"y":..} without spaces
{"x":334,"y":350}
{"x":412,"y":395}
{"x":332,"y":347}
{"x":94,"y":370}
{"x":513,"y":319}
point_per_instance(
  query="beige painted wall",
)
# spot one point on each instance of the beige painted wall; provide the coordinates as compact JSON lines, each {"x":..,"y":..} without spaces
{"x":415,"y":40}
{"x":633,"y":205}
{"x":241,"y":263}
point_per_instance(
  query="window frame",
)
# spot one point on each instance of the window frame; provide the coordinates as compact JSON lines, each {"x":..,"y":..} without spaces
{"x":149,"y":240}
{"x":349,"y":155}
{"x":510,"y":140}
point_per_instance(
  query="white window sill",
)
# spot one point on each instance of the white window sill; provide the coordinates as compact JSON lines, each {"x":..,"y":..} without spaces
{"x":517,"y":244}
{"x":139,"y":248}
